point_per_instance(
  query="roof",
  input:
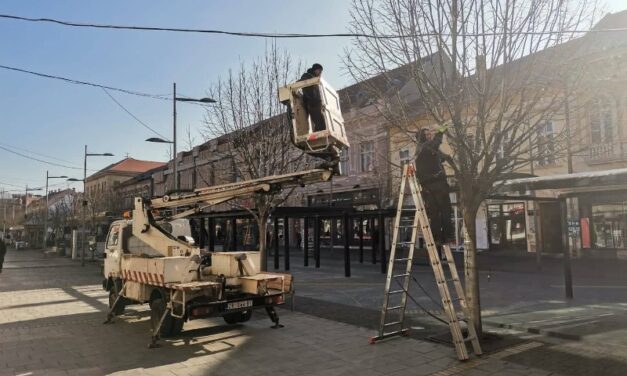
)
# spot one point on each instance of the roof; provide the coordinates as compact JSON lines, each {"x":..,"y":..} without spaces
{"x":143,"y":176}
{"x":389,"y":83}
{"x":133,"y":165}
{"x":569,"y":181}
{"x":128,"y":165}
{"x":55,"y":197}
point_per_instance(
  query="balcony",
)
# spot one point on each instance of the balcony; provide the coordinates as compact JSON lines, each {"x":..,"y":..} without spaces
{"x":605,"y":152}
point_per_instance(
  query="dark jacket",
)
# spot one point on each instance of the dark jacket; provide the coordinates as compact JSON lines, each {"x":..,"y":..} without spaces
{"x":311,"y":94}
{"x":429,"y":167}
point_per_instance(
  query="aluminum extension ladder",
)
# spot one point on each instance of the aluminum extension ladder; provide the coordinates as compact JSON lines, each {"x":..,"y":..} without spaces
{"x":397,"y":283}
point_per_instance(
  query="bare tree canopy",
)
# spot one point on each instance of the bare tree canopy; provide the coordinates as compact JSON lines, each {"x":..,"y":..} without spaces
{"x":252,"y":128}
{"x":489,"y":72}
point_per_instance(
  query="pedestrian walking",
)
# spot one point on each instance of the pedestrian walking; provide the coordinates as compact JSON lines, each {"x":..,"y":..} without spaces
{"x":299,"y":239}
{"x":3,"y":251}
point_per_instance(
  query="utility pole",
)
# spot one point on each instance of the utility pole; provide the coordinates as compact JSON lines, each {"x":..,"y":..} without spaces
{"x":43,"y":243}
{"x":4,"y":216}
{"x":84,"y":209}
{"x":174,"y":169}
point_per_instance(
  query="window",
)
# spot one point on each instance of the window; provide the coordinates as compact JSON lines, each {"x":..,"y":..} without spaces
{"x":505,"y":142}
{"x":602,"y":129}
{"x":404,"y":157}
{"x":601,"y":121}
{"x":366,"y":150}
{"x":546,"y":143}
{"x":114,"y":236}
{"x":344,"y":163}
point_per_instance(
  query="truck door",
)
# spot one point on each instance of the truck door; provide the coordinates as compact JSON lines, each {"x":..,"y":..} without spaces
{"x":113,"y":251}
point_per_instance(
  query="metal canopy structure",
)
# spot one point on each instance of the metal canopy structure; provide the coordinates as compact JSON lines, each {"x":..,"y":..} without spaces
{"x":313,"y":217}
{"x":569,"y":182}
{"x":564,"y":186}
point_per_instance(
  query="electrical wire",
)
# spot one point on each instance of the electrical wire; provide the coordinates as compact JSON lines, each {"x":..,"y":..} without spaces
{"x":296,"y":35}
{"x":39,"y":160}
{"x":34,"y":152}
{"x":78,"y":82}
{"x":12,"y":185}
{"x":133,"y":116}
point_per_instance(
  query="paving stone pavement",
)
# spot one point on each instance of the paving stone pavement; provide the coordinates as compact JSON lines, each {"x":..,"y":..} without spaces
{"x":58,"y":330}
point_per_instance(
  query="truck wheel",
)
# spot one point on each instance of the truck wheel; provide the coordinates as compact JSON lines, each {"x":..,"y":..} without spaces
{"x":119,"y":309}
{"x":157,"y":308}
{"x":232,"y":318}
{"x":246,"y":315}
{"x":177,"y":326}
{"x":235,"y":317}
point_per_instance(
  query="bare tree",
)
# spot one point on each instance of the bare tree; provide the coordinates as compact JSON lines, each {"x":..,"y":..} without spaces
{"x":64,"y":215}
{"x":492,"y":71}
{"x":248,"y":115}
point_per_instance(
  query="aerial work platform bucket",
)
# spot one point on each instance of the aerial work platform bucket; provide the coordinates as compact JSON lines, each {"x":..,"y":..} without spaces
{"x":330,"y":140}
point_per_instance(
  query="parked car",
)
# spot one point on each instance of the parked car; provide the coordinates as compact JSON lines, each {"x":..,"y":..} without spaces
{"x":20,"y":244}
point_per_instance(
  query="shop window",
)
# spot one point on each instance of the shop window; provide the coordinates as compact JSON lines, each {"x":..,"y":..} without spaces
{"x":609,"y":225}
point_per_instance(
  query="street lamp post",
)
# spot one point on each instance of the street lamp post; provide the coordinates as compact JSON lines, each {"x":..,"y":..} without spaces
{"x":84,"y":201}
{"x":48,"y":177}
{"x":173,"y":142}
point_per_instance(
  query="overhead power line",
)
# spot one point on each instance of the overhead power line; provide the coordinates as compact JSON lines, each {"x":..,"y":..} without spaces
{"x":13,"y":185}
{"x":38,"y":159}
{"x":34,"y":152}
{"x":133,"y":116}
{"x":77,"y":82}
{"x":293,"y":35}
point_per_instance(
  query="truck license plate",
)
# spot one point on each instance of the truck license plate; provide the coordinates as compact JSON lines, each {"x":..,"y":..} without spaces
{"x":240,"y":304}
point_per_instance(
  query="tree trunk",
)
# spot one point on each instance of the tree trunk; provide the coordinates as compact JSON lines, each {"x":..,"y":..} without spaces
{"x":261,"y":225}
{"x":471,"y":272}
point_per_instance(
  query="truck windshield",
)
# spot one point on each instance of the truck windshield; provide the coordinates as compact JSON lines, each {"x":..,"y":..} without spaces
{"x":114,"y":236}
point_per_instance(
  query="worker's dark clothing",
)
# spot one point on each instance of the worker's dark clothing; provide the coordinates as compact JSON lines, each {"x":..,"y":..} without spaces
{"x":435,"y":189}
{"x":313,"y":103}
{"x":3,"y":251}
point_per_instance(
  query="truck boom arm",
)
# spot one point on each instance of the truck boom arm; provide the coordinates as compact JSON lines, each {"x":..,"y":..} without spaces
{"x":147,"y":230}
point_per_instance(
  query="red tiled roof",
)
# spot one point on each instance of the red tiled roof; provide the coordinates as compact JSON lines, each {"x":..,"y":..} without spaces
{"x":133,"y":165}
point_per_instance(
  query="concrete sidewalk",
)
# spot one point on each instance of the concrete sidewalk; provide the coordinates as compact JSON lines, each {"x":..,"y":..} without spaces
{"x":51,"y":324}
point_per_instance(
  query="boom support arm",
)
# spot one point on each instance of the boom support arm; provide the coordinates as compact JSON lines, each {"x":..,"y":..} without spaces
{"x":147,"y":230}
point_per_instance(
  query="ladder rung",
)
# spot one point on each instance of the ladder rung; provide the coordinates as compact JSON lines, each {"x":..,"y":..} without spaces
{"x":392,"y":323}
{"x":468,"y":339}
{"x":393,"y":308}
{"x":402,"y":259}
{"x":400,"y":275}
{"x":396,"y":292}
{"x":450,"y":280}
{"x":404,"y":243}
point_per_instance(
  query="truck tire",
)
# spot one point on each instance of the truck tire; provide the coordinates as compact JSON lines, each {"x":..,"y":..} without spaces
{"x":171,"y":325}
{"x":237,"y":317}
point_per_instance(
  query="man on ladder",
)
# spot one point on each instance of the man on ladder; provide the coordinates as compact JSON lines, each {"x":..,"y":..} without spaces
{"x":435,"y":188}
{"x":399,"y":274}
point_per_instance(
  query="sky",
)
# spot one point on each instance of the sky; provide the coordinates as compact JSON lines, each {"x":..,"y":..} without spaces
{"x":56,"y":119}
